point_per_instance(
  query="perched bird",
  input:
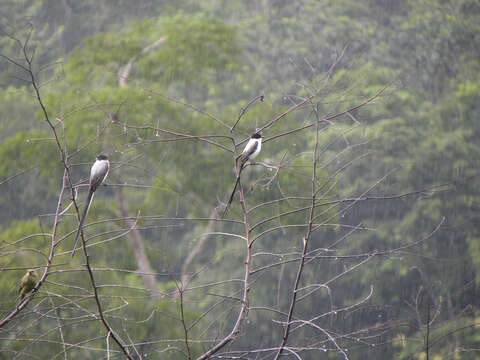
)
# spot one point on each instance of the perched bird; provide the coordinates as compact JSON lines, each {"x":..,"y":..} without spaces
{"x":98,"y":174}
{"x":27,"y":283}
{"x":251,"y":150}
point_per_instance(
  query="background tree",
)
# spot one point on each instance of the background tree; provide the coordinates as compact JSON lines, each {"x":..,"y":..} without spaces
{"x":354,"y":233}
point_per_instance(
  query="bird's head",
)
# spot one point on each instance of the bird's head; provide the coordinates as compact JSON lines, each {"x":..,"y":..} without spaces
{"x":32,"y":272}
{"x":102,"y":157}
{"x":256,"y":136}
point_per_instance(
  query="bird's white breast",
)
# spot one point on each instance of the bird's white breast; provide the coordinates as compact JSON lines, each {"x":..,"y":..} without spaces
{"x":99,"y":169}
{"x":250,"y":145}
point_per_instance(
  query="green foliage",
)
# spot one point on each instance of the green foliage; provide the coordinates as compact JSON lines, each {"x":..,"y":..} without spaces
{"x":193,"y":45}
{"x":17,"y":111}
{"x":421,"y":135}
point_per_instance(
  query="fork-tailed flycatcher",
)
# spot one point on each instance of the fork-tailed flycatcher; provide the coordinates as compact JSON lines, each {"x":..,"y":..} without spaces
{"x":251,"y":150}
{"x":98,"y":174}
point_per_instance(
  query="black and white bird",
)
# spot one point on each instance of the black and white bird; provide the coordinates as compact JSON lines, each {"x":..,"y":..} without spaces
{"x":251,"y":150}
{"x":98,"y":174}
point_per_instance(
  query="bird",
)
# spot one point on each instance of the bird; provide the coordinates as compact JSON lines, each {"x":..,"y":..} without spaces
{"x":27,"y":283}
{"x":251,"y":150}
{"x":98,"y":174}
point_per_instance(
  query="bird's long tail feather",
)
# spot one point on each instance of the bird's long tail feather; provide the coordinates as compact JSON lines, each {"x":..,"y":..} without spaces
{"x":240,"y":162}
{"x":84,"y":215}
{"x":231,"y":197}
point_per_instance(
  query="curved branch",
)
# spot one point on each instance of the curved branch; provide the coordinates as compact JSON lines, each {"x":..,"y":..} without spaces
{"x":25,"y":302}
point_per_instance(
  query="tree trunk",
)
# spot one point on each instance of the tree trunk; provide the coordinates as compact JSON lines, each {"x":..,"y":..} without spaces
{"x":144,"y":267}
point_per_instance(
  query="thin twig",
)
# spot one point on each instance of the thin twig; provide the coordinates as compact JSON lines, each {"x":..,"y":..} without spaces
{"x":243,"y":110}
{"x":246,"y":280}
{"x":305,"y":240}
{"x":27,"y":299}
{"x":185,"y":330}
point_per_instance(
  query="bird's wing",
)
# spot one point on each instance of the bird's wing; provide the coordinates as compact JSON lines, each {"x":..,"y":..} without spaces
{"x":251,"y":147}
{"x":22,"y":282}
{"x":98,"y":173}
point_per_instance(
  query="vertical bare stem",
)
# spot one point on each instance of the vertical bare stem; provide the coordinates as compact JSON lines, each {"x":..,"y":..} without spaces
{"x":304,"y":250}
{"x":185,"y":330}
{"x":110,"y":331}
{"x":246,"y":280}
